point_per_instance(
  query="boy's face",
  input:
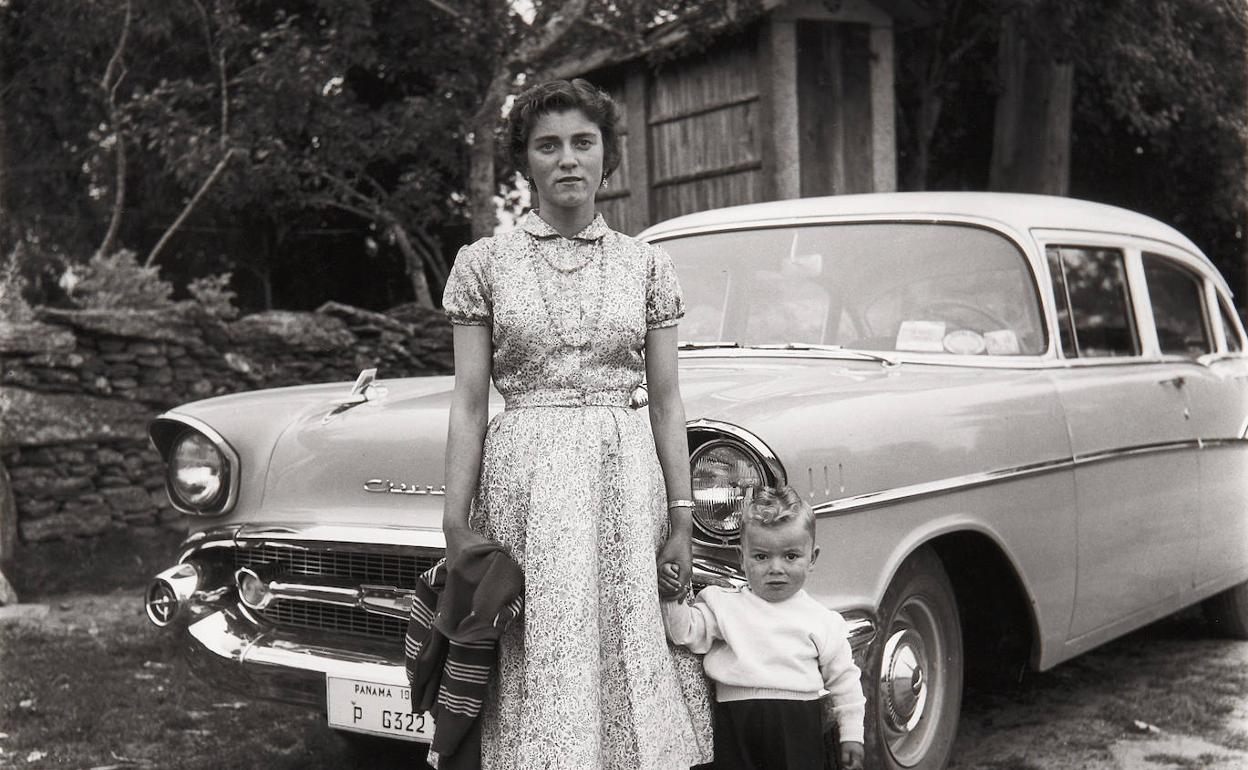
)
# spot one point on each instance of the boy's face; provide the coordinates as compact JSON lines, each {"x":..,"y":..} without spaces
{"x":776,"y":560}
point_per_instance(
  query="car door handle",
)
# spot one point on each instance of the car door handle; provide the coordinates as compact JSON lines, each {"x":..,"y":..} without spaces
{"x":1175,"y":382}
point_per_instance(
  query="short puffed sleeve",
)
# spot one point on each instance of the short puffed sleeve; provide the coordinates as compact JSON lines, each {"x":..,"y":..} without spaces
{"x":665,"y":303}
{"x":466,"y":297}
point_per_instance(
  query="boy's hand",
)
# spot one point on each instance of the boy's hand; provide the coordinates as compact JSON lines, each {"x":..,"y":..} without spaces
{"x":852,"y":753}
{"x":669,"y":580}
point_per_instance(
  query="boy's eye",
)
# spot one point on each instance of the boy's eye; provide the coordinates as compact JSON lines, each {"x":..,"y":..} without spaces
{"x":792,"y":556}
{"x":758,"y":556}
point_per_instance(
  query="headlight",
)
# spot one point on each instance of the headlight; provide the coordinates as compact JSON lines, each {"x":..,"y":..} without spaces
{"x":198,"y":473}
{"x":725,"y":476}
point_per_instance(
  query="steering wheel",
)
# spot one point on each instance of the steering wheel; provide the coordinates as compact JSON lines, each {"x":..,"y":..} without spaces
{"x":946,"y":308}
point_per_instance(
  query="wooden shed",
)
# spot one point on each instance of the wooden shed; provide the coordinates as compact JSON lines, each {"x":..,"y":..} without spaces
{"x":799,"y":103}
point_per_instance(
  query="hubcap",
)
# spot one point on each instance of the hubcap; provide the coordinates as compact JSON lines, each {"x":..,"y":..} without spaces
{"x":910,"y":681}
{"x":903,"y":681}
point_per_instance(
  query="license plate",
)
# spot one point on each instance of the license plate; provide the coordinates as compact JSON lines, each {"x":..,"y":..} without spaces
{"x":377,"y":709}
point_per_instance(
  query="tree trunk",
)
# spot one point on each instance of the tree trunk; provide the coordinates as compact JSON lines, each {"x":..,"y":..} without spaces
{"x":481,"y":177}
{"x":415,"y":265}
{"x":1031,"y":136}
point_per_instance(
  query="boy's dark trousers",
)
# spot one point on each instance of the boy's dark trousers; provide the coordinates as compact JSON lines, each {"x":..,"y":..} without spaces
{"x":771,"y":735}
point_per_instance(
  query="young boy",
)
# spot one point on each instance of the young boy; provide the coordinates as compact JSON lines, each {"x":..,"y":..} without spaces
{"x":770,"y":648}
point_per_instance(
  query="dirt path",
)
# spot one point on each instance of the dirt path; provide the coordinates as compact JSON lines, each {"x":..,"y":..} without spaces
{"x":86,"y":682}
{"x":1167,"y":696}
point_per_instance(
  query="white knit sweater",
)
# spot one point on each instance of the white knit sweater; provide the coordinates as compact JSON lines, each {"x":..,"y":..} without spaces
{"x":757,"y":649}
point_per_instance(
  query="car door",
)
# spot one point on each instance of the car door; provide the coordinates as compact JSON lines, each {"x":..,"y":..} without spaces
{"x":1131,"y":438}
{"x":1195,"y":327}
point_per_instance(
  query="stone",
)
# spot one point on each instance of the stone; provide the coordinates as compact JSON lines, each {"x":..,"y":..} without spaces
{"x":110,"y":345}
{"x":125,"y":383}
{"x":71,"y":456}
{"x":156,"y":377}
{"x":144,"y":349}
{"x":8,"y":597}
{"x":201,"y":388}
{"x":128,"y":499}
{"x":48,"y":486}
{"x":8,"y":522}
{"x":36,"y":337}
{"x":359,"y":319}
{"x":294,"y":331}
{"x":37,"y":509}
{"x":63,"y":526}
{"x":106,"y":456}
{"x":171,"y":325}
{"x":111,"y":482}
{"x":239,"y":363}
{"x":30,"y":418}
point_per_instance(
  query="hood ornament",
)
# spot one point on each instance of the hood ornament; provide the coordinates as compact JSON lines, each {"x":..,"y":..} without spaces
{"x":362,"y":392}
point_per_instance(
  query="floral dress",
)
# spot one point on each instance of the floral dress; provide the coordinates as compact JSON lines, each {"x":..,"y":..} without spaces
{"x":571,"y":486}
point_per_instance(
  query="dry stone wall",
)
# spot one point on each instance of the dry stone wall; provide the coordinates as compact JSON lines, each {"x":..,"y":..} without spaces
{"x":77,"y":388}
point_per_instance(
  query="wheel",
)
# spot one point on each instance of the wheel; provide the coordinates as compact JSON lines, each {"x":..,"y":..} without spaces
{"x":914,"y":671}
{"x":1227,"y":612}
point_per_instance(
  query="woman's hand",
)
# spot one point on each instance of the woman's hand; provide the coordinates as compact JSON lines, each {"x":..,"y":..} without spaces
{"x":678,"y":552}
{"x":457,"y":539}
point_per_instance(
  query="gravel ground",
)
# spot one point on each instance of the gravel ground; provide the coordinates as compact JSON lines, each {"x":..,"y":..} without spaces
{"x":85,"y":682}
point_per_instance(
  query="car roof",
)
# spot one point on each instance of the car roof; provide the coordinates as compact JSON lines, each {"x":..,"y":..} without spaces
{"x":1022,"y":212}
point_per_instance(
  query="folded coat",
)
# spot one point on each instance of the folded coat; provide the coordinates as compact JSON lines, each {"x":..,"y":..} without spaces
{"x":452,"y":632}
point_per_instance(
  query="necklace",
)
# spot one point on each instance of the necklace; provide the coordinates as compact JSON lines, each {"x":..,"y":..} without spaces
{"x":578,"y":330}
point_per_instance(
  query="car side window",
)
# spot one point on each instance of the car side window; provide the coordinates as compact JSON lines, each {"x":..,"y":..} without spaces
{"x":1177,"y":297}
{"x":1093,"y":302}
{"x":1233,"y":343}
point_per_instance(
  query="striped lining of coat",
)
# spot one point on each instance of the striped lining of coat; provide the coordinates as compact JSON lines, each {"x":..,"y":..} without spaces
{"x":450,"y":646}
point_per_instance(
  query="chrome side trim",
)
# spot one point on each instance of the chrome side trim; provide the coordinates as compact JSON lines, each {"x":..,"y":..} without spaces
{"x":752,"y":442}
{"x":1140,"y":449}
{"x":967,"y":481}
{"x":938,"y":487}
{"x":223,"y":446}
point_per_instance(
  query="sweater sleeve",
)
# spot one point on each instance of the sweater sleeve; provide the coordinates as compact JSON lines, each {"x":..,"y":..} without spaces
{"x":693,"y":626}
{"x":843,"y":680}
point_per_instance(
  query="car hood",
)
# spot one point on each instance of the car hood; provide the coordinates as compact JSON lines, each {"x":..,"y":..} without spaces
{"x":382,"y":461}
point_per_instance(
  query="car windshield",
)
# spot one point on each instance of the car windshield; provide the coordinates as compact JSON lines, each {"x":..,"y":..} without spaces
{"x":935,"y":288}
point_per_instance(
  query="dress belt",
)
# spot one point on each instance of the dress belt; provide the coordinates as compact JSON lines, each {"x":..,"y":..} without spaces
{"x":567,"y":397}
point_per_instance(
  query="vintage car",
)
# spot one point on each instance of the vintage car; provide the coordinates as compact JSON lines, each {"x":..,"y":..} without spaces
{"x":1021,"y":421}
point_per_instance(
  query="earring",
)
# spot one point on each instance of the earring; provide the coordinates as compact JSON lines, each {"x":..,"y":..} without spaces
{"x":604,"y":183}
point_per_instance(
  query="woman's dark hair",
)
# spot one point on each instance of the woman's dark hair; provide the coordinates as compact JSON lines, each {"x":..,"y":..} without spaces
{"x":561,"y":96}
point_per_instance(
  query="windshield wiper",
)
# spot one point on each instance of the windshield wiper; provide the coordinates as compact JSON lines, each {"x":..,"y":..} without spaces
{"x":686,"y":345}
{"x":885,"y":360}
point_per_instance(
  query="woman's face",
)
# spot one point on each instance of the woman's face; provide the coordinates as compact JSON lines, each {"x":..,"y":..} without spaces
{"x":565,"y":157}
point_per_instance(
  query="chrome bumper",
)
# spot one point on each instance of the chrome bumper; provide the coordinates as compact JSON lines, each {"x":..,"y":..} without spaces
{"x":227,"y":649}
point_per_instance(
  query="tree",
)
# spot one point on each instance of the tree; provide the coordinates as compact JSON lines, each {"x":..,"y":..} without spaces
{"x":560,"y":36}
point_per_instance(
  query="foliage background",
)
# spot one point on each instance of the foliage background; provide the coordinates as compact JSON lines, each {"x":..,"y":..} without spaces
{"x":343,"y":150}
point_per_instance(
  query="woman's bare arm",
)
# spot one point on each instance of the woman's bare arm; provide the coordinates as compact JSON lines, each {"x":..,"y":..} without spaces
{"x":466,"y":433}
{"x":667,"y":423}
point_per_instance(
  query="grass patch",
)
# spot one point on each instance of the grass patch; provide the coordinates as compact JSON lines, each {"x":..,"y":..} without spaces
{"x":91,"y":692}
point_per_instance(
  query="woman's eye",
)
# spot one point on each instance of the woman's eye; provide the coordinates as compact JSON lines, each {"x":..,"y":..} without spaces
{"x":585,"y":144}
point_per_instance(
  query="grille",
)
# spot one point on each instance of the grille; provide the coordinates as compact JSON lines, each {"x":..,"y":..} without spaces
{"x":327,"y":617}
{"x":364,"y":568}
{"x":400,"y":571}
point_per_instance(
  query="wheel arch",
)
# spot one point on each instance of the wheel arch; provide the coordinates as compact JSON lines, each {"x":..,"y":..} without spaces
{"x":999,"y":623}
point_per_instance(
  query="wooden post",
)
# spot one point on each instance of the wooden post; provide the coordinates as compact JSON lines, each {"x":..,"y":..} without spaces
{"x":1031,"y":135}
{"x":781,"y":115}
{"x":883,"y":116}
{"x":636,"y":104}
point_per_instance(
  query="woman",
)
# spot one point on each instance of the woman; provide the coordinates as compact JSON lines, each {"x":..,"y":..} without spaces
{"x":567,"y":315}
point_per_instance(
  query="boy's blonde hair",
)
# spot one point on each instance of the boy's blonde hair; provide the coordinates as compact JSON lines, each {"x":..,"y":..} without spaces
{"x":776,"y":506}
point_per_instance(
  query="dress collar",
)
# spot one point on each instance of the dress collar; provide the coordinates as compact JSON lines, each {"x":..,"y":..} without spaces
{"x":539,"y":228}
